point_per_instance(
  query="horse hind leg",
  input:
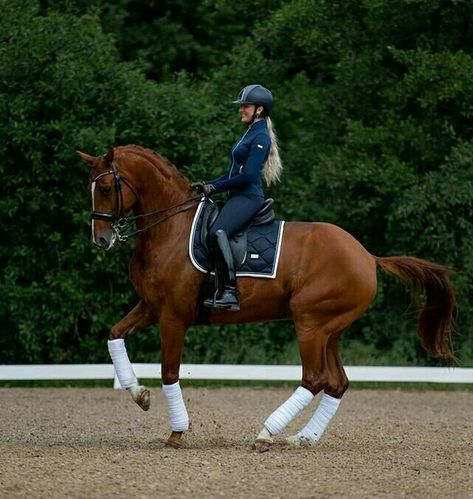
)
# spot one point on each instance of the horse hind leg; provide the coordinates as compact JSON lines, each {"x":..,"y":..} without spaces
{"x":337,"y":383}
{"x":281,"y":417}
{"x":312,"y":347}
{"x":335,"y":386}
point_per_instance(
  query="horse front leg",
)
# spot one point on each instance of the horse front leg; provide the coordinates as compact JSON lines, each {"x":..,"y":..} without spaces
{"x":140,"y":317}
{"x":173,"y":332}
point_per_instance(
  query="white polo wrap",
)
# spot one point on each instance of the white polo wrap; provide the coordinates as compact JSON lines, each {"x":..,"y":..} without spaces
{"x":285,"y":413}
{"x":177,"y":408}
{"x":121,"y":362}
{"x":315,"y":428}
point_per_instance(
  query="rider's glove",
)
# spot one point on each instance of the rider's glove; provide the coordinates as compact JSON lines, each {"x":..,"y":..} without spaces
{"x":206,"y":189}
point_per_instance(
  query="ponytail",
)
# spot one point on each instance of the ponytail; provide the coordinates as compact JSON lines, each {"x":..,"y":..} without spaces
{"x":273,"y":167}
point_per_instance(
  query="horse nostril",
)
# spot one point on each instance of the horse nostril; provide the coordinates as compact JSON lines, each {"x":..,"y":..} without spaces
{"x":103,"y":242}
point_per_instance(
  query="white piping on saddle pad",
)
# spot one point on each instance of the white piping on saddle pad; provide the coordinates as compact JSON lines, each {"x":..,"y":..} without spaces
{"x":192,"y":235}
{"x":238,"y":274}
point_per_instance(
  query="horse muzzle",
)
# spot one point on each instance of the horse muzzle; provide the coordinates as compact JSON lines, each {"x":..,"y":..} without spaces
{"x":104,"y":235}
{"x":106,"y":243}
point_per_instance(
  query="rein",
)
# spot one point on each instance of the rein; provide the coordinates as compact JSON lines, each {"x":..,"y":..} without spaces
{"x":124,"y":224}
{"x":121,"y":224}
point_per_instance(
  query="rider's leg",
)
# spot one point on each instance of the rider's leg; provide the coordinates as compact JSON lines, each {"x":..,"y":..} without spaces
{"x":226,"y":271}
{"x":236,"y":213}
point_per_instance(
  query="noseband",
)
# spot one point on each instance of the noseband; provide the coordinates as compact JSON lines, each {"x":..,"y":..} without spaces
{"x":122,"y":225}
{"x":109,"y":217}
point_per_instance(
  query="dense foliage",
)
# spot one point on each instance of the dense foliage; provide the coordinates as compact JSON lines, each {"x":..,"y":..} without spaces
{"x":374,"y":100}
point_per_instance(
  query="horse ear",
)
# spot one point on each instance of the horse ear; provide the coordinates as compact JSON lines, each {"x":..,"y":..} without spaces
{"x":110,"y":154}
{"x":87,"y":158}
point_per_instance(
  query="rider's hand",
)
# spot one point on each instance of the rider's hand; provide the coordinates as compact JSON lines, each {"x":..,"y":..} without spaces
{"x":197,"y":187}
{"x":206,"y":189}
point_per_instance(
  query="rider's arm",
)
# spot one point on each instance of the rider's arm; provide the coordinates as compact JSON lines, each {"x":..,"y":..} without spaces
{"x":222,"y":177}
{"x":251,"y":170}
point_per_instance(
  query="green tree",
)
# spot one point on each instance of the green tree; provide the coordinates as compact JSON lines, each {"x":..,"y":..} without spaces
{"x":373,"y":110}
{"x":375,"y":105}
{"x":62,"y":88}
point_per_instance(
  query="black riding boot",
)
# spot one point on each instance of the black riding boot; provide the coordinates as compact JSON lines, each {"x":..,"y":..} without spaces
{"x":225,"y":275}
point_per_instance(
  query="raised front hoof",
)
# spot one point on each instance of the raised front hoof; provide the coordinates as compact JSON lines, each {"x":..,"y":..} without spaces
{"x":262,"y":445}
{"x":141,"y":395}
{"x":175,"y":441}
{"x":144,"y":399}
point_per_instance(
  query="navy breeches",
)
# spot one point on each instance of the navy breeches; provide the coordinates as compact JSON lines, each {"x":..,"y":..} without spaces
{"x":236,"y":213}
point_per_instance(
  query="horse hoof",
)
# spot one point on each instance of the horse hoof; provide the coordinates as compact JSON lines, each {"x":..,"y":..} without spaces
{"x":144,"y":399}
{"x":263,"y":445}
{"x":297,"y":441}
{"x":293,"y":441}
{"x":174,"y":445}
{"x":175,"y":441}
{"x":141,"y":395}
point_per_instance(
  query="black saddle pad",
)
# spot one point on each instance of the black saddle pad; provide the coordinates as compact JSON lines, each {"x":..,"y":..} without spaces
{"x":262,"y":252}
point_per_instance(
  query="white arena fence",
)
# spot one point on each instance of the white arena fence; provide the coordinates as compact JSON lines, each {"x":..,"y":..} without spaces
{"x":35,"y":372}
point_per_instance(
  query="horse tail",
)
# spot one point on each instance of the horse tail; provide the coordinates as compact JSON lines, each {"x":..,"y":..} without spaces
{"x":436,"y":316}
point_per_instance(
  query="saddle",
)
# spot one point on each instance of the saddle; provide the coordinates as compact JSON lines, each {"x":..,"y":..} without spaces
{"x":238,"y":242}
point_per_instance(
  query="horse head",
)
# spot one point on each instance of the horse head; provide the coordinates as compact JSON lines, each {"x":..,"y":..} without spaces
{"x":132,"y":178}
{"x":112,"y":198}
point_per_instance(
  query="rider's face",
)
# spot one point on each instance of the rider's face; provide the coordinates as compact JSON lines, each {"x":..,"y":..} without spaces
{"x":246,"y":112}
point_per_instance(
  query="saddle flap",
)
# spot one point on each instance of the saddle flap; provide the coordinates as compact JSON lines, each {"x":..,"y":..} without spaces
{"x":238,"y":243}
{"x":211,"y":211}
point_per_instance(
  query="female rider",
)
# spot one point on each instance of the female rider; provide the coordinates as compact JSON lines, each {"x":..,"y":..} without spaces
{"x":254,"y":154}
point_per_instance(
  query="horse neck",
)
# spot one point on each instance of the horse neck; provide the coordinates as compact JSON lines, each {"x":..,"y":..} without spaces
{"x":158,"y":186}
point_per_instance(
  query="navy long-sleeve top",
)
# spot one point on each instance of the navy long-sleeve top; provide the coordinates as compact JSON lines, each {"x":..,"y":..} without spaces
{"x":248,"y":157}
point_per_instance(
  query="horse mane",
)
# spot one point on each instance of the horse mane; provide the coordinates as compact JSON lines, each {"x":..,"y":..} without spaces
{"x":156,"y":159}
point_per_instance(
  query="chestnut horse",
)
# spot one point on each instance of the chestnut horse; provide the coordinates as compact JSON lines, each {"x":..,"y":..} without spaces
{"x":325,"y":281}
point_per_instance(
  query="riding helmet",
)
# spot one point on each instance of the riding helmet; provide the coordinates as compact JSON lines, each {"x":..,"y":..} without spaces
{"x":256,"y":94}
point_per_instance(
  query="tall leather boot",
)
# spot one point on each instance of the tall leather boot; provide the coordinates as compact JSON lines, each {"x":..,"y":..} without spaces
{"x":218,"y":284}
{"x":225,"y":270}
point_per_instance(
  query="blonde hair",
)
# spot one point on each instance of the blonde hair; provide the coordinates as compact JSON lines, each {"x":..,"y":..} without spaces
{"x":273,"y":167}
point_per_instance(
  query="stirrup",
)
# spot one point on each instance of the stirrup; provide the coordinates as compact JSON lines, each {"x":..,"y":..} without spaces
{"x":210,"y":301}
{"x":228,"y":300}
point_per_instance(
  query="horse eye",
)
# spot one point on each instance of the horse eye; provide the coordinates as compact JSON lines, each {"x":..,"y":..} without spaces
{"x":106,"y":190}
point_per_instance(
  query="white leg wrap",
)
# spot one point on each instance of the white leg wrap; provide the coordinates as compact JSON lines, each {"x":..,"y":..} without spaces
{"x":177,"y":408}
{"x":264,"y":435}
{"x":285,"y":413}
{"x":122,"y":364}
{"x":314,"y":429}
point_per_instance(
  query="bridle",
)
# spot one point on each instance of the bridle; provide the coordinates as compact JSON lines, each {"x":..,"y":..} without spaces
{"x":122,"y":225}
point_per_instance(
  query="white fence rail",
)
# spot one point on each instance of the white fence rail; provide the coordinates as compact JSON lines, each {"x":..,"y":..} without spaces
{"x":234,"y":372}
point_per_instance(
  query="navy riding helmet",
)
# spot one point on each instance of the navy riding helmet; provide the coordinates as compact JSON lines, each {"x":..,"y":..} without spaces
{"x":258,"y":95}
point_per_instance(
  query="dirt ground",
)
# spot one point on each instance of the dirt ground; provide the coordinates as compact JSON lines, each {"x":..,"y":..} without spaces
{"x":96,"y":443}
